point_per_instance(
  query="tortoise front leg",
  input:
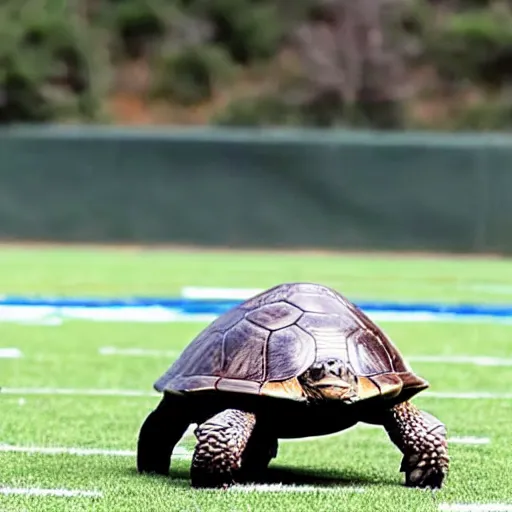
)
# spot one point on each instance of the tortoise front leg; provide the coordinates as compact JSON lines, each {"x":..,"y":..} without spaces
{"x":221,"y":442}
{"x":422,"y":439}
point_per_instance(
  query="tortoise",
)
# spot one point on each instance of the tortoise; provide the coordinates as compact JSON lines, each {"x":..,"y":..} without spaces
{"x":297,"y":360}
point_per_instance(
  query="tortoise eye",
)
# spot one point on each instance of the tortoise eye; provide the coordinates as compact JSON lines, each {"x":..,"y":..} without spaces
{"x":316,"y":373}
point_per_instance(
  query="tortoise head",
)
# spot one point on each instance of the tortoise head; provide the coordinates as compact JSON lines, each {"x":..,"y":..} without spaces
{"x":329,"y":379}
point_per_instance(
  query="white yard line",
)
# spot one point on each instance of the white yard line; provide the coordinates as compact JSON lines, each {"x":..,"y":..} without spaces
{"x":78,"y":392}
{"x":190,"y":430}
{"x":143,"y":352}
{"x":469,"y":440}
{"x":206,"y":292}
{"x":293,"y":488}
{"x":65,"y":493}
{"x":476,"y":507}
{"x":500,"y":289}
{"x":145,"y":394}
{"x":476,"y":360}
{"x":482,"y":395}
{"x":463,"y":440}
{"x":178,"y":452}
{"x":10,"y":353}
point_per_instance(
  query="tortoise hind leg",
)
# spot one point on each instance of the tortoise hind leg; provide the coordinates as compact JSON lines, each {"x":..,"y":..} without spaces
{"x":221,"y":443}
{"x":260,"y":450}
{"x":159,"y":434}
{"x":422,"y":439}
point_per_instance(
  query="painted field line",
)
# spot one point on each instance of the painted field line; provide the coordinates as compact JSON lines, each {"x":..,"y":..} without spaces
{"x":79,"y":392}
{"x":463,"y":440}
{"x":144,"y":394}
{"x":469,"y":440}
{"x":10,"y":353}
{"x":500,"y":289}
{"x":113,"y":351}
{"x":476,"y":360}
{"x":64,"y":493}
{"x":293,"y":488}
{"x":208,"y":293}
{"x":178,"y":452}
{"x":476,"y":507}
{"x":477,"y":395}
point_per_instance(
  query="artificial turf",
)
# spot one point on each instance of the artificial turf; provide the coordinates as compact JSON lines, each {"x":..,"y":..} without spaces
{"x":357,"y":470}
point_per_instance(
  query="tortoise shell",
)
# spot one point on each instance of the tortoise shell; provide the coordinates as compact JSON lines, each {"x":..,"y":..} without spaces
{"x":262,"y":345}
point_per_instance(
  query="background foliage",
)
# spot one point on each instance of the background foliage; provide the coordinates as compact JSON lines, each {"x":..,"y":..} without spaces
{"x":436,"y":64}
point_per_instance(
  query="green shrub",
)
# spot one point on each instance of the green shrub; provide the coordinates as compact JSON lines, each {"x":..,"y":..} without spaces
{"x":134,"y":24}
{"x":493,"y":114}
{"x":473,"y":46}
{"x":46,"y":67}
{"x":193,"y":74}
{"x":327,"y":111}
{"x":249,"y":29}
{"x":264,"y":110}
{"x":58,"y":58}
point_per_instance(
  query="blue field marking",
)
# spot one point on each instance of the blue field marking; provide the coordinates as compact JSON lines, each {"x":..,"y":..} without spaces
{"x":219,"y":306}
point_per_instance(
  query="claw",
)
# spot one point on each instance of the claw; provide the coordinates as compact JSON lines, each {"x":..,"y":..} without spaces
{"x":423,"y":476}
{"x":415,"y":475}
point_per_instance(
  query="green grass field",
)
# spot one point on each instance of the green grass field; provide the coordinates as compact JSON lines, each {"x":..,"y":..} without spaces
{"x":356,"y":470}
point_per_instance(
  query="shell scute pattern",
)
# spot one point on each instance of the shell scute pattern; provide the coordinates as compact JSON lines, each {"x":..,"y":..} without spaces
{"x":275,"y":316}
{"x":328,"y":331}
{"x":202,"y":357}
{"x":290,"y":352}
{"x":367,"y":354}
{"x":314,"y":302}
{"x":205,"y":355}
{"x":398,"y":364}
{"x":278,"y":334}
{"x":244,"y":346}
{"x":270,"y":296}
